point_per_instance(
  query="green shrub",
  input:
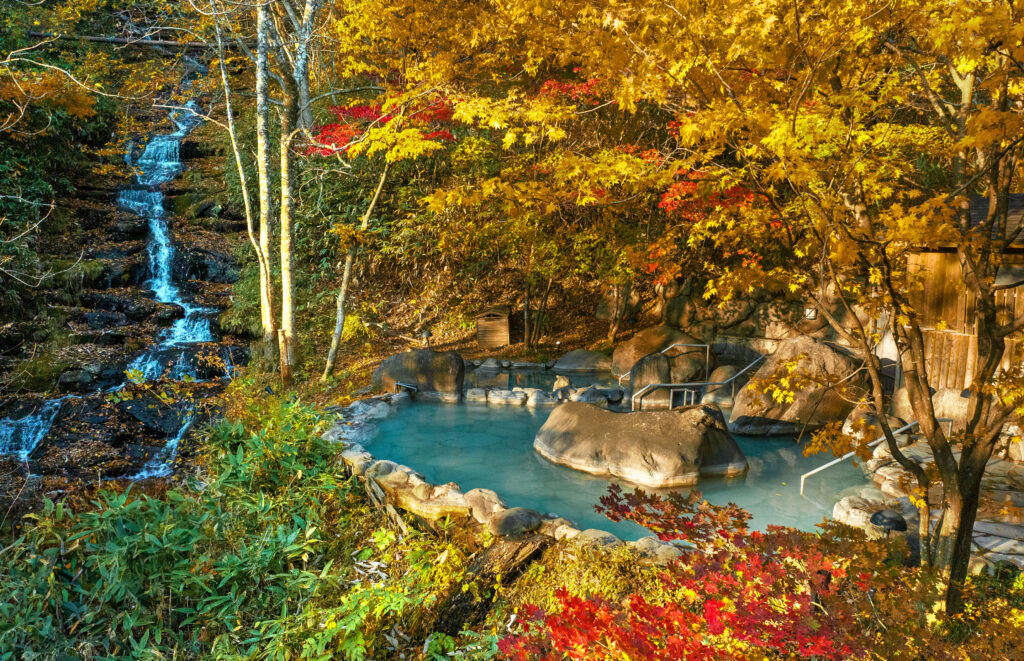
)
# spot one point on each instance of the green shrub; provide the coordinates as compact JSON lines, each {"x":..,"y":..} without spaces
{"x":267,"y":559}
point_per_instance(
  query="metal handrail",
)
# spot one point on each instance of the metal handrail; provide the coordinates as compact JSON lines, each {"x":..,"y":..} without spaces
{"x":872,"y":444}
{"x":731,"y":381}
{"x":707,"y":357}
{"x":407,"y":386}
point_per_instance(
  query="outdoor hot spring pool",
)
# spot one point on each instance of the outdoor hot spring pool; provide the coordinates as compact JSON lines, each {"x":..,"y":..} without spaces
{"x":491,"y":447}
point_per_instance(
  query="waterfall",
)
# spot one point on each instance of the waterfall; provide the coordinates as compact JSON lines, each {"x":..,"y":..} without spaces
{"x":158,"y":164}
{"x":21,"y":436}
{"x":161,"y":465}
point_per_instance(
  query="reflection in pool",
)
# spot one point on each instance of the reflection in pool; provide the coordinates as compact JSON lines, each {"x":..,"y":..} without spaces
{"x":492,"y":447}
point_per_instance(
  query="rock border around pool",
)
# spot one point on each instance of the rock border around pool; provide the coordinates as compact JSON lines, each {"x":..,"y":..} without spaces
{"x":392,"y":487}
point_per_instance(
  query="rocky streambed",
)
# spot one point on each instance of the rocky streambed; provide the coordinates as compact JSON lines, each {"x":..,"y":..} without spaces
{"x":126,"y":356}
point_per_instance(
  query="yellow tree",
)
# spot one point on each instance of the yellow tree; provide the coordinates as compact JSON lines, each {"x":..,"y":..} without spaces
{"x":864,"y":129}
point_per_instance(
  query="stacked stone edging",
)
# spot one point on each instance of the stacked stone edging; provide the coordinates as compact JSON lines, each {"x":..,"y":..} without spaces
{"x":392,"y":487}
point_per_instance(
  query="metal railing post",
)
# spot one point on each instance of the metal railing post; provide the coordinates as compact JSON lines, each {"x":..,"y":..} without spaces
{"x":877,"y":441}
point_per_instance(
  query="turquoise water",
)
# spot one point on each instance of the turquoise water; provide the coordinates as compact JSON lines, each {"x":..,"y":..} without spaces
{"x":491,"y":447}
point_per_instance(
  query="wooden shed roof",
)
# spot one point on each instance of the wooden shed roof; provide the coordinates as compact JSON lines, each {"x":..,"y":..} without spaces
{"x":500,"y":310}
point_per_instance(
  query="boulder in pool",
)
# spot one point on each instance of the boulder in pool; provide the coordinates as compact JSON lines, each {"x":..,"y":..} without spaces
{"x":582,"y":360}
{"x":648,"y":341}
{"x":649,"y":448}
{"x":429,"y":371}
{"x":813,"y":405}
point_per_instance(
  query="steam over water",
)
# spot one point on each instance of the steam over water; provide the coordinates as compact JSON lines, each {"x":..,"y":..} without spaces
{"x":158,"y":164}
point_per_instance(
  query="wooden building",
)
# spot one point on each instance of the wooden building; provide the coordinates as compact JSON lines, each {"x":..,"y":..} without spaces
{"x":947,"y":310}
{"x":492,"y":328}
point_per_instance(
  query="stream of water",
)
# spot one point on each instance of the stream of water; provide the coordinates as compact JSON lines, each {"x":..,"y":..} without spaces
{"x":158,"y":164}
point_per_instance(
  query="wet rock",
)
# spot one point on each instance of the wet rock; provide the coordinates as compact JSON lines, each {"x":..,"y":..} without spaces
{"x":167,"y":313}
{"x":484,"y":504}
{"x":490,"y":365}
{"x":648,"y":341}
{"x":513,"y":522}
{"x":155,"y":414}
{"x":128,"y":228}
{"x":193,"y":263}
{"x":582,"y":360}
{"x":429,"y":371}
{"x":507,"y":397}
{"x":561,"y":381}
{"x":135,"y":309}
{"x":650,"y":448}
{"x":103,"y":319}
{"x":889,"y":520}
{"x":476,"y":395}
{"x":757,"y":414}
{"x":75,"y":381}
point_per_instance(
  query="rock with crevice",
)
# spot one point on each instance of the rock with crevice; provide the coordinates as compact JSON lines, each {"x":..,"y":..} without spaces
{"x":484,"y":504}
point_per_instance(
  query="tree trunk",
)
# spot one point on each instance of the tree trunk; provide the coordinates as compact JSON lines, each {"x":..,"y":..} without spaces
{"x":526,"y":314}
{"x":350,"y":257}
{"x":236,"y":151}
{"x":286,"y":336}
{"x":263,"y":170}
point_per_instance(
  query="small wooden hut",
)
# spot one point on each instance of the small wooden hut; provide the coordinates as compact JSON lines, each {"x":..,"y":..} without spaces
{"x":947,"y":310}
{"x":492,"y":328}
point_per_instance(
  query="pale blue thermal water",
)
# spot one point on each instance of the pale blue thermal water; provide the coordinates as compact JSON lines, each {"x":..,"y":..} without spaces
{"x":492,"y":447}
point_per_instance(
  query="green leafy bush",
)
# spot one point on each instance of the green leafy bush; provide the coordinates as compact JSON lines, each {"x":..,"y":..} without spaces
{"x":269,"y":557}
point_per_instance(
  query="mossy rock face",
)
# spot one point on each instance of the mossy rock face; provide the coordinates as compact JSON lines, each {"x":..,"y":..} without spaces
{"x":39,"y":374}
{"x":75,"y":275}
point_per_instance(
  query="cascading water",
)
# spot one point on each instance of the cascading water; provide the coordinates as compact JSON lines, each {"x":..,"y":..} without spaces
{"x":19,"y":437}
{"x":158,"y":164}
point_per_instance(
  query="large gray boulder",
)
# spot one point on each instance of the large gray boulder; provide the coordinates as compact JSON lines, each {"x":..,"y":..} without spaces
{"x":429,"y":371}
{"x":582,"y":360}
{"x":649,"y":448}
{"x":813,"y":405}
{"x":653,"y":368}
{"x":648,"y":341}
{"x":721,"y":396}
